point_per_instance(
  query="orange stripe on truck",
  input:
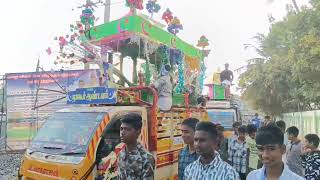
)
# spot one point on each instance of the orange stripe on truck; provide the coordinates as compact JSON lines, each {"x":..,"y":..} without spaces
{"x":95,"y":139}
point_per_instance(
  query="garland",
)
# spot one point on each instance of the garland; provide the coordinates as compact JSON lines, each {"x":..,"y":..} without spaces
{"x":180,"y":88}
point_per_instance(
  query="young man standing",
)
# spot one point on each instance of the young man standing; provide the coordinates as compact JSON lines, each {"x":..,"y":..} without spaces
{"x":270,"y":146}
{"x":222,"y":144}
{"x":267,"y":120}
{"x":209,"y":165}
{"x":234,"y":136}
{"x":235,"y":127}
{"x":311,"y":157}
{"x":294,"y":151}
{"x":134,"y":162}
{"x":282,"y":125}
{"x":253,"y":151}
{"x":188,"y":154}
{"x":256,"y":121}
{"x":238,"y":154}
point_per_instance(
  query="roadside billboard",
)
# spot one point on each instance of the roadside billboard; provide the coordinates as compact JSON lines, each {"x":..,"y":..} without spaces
{"x":21,"y":94}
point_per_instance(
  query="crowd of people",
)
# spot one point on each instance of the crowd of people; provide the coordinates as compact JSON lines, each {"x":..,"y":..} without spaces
{"x":257,"y":151}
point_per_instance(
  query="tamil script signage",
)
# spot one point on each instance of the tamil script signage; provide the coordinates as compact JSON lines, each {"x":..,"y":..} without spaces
{"x":96,"y":95}
{"x":219,"y":104}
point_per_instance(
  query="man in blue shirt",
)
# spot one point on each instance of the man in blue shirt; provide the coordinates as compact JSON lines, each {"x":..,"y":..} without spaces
{"x":270,"y":147}
{"x":188,"y":154}
{"x":256,"y":121}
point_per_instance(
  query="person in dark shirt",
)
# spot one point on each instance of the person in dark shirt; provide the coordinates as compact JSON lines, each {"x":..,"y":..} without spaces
{"x":134,"y":161}
{"x":311,"y":157}
{"x":226,"y":74}
{"x":222,"y":143}
{"x":226,"y":78}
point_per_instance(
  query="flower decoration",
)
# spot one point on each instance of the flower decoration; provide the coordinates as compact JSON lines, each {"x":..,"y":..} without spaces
{"x":202,"y":77}
{"x":134,"y":4}
{"x":167,"y":16}
{"x":203,"y":42}
{"x":87,"y":17}
{"x":62,"y":42}
{"x":174,"y":26}
{"x":181,"y":84}
{"x":153,"y":7}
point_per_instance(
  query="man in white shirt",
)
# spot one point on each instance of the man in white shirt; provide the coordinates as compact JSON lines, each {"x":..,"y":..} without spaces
{"x":164,"y":88}
{"x":209,"y":165}
{"x":270,"y":146}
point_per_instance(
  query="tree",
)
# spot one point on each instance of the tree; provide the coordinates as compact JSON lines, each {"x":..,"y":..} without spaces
{"x":286,"y":75}
{"x":294,"y":2}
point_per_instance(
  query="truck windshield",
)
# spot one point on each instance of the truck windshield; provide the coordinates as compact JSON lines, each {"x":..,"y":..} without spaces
{"x":225,"y":118}
{"x":66,"y":133}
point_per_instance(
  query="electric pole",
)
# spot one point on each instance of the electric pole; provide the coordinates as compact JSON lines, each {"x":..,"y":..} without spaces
{"x":107,"y":11}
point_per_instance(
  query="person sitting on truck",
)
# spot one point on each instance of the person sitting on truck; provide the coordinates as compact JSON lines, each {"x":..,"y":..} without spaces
{"x":134,"y":162}
{"x":164,"y":88}
{"x":188,"y":154}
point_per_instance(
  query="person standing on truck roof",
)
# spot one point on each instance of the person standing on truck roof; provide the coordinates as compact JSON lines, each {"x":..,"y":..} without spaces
{"x":134,"y":162}
{"x":164,"y":88}
{"x":188,"y":154}
{"x":209,"y":166}
{"x":226,"y":78}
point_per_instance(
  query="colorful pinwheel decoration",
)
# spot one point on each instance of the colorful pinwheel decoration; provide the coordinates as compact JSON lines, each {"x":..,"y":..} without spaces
{"x":62,"y":43}
{"x":153,"y":7}
{"x":175,"y":26}
{"x":203,"y":42}
{"x":87,"y":17}
{"x":167,"y":16}
{"x":134,"y":4}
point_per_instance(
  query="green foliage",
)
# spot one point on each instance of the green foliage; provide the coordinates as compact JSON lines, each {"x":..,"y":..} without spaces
{"x":286,"y":76}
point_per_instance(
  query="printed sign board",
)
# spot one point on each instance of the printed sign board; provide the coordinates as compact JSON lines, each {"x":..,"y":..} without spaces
{"x":96,"y":95}
{"x":21,"y":92}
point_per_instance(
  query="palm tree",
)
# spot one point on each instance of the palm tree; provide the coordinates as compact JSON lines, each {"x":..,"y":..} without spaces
{"x":294,"y":2}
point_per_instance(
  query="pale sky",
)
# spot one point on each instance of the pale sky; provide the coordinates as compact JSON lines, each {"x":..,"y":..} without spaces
{"x":28,"y":27}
